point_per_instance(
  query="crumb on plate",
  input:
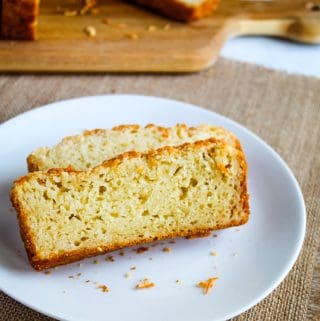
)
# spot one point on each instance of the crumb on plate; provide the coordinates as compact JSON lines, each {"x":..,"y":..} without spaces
{"x":141,"y":249}
{"x":145,"y":284}
{"x":207,"y":285}
{"x":109,"y":258}
{"x":103,"y":288}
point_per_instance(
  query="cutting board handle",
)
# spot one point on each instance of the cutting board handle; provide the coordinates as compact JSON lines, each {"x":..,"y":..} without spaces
{"x":297,"y":28}
{"x":300,"y":22}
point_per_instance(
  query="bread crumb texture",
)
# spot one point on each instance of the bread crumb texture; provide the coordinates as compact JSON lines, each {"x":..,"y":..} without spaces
{"x":67,"y":215}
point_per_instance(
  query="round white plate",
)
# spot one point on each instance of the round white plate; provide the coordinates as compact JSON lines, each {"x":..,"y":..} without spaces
{"x":251,"y":260}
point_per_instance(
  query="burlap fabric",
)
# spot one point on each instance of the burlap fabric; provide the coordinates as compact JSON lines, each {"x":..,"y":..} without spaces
{"x":283,"y":109}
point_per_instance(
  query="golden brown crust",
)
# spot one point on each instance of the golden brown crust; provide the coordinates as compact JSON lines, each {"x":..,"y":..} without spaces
{"x":26,"y":235}
{"x":180,"y":11}
{"x":64,"y":258}
{"x":19,"y":19}
{"x":244,"y":189}
{"x":133,"y":128}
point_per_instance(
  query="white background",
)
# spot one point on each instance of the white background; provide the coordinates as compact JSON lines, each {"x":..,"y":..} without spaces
{"x":275,"y":53}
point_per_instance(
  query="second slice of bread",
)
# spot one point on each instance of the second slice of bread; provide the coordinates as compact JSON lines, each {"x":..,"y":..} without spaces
{"x":134,"y":198}
{"x":82,"y":152}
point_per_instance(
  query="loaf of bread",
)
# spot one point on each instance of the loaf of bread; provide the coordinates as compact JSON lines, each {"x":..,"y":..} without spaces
{"x":88,"y":150}
{"x":19,"y":19}
{"x":67,"y":215}
{"x":183,"y":10}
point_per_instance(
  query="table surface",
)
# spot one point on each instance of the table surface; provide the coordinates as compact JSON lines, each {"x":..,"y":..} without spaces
{"x":275,"y":53}
{"x":293,"y":58}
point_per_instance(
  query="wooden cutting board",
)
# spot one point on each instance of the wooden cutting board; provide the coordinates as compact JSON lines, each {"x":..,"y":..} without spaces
{"x":133,"y":39}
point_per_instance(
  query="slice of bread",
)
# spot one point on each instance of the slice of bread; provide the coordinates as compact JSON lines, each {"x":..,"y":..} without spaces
{"x":19,"y":19}
{"x":88,"y":150}
{"x":183,"y":10}
{"x":191,"y":189}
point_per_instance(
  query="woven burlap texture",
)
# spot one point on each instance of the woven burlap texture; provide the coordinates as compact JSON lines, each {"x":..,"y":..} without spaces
{"x":283,"y":109}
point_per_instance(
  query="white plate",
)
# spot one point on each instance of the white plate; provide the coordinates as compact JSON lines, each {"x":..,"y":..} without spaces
{"x":251,"y":260}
